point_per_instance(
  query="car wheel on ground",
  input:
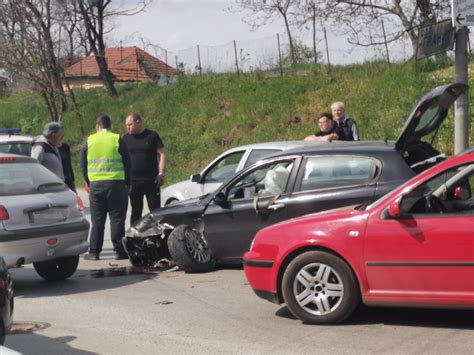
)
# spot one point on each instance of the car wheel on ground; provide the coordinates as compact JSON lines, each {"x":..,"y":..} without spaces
{"x":171,"y":201}
{"x":320,"y":288}
{"x":57,"y":269}
{"x":189,"y":250}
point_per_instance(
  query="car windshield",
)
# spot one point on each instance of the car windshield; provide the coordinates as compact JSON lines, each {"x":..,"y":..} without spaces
{"x":27,"y":178}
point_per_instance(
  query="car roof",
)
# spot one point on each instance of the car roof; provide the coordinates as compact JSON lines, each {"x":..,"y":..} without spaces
{"x":340,"y":147}
{"x":283,"y":145}
{"x":8,"y":139}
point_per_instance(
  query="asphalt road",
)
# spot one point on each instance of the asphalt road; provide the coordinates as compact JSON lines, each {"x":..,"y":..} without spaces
{"x":107,"y":307}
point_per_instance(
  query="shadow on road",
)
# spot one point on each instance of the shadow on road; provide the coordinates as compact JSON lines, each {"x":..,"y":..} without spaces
{"x":108,"y":274}
{"x":412,"y":317}
{"x":39,"y":344}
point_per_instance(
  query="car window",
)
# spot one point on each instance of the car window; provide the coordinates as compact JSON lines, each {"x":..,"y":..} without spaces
{"x":257,"y":154}
{"x":428,"y":116}
{"x":451,"y":192}
{"x":27,"y":178}
{"x":268,"y":180}
{"x":224,"y":168}
{"x":328,"y":172}
{"x":16,"y":148}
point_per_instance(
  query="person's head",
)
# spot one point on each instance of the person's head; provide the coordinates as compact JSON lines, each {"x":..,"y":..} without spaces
{"x":54,"y":133}
{"x":338,"y":109}
{"x":325,"y":122}
{"x":134,"y":123}
{"x":103,"y":122}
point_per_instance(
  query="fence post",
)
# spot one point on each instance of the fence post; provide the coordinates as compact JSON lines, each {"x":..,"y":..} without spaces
{"x":314,"y":35}
{"x":236,"y":58}
{"x":327,"y":48}
{"x":385,"y":41}
{"x":279,"y":54}
{"x":166,"y":67}
{"x":199,"y":61}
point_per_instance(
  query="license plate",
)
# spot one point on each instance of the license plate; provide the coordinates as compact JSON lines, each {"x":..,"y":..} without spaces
{"x":48,"y":216}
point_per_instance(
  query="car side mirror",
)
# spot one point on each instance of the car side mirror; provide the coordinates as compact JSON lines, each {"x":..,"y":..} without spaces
{"x":196,"y":178}
{"x":220,"y":198}
{"x":394,"y":209}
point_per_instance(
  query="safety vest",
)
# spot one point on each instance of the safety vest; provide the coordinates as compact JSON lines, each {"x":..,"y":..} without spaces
{"x":104,"y":161}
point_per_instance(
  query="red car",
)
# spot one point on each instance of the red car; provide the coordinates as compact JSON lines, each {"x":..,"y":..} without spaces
{"x":413,"y":247}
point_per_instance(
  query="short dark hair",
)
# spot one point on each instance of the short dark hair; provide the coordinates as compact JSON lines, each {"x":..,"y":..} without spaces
{"x":104,"y":121}
{"x":136,"y":116}
{"x":328,"y":115}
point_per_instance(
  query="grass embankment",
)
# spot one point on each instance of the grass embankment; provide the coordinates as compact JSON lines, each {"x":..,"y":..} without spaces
{"x":199,"y":117}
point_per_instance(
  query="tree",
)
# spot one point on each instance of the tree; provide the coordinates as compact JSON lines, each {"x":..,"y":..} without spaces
{"x":312,"y":11}
{"x":361,"y":19}
{"x":263,"y":11}
{"x":28,"y":37}
{"x":94,"y":14}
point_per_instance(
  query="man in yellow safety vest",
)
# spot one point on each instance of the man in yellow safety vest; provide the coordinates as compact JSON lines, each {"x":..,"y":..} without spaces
{"x":105,"y":166}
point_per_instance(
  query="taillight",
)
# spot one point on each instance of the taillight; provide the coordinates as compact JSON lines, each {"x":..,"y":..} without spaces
{"x":7,"y":159}
{"x":79,"y":203}
{"x":4,"y":213}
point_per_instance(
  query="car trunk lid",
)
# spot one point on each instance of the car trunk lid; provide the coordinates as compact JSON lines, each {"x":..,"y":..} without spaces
{"x":39,"y":210}
{"x":428,"y":115}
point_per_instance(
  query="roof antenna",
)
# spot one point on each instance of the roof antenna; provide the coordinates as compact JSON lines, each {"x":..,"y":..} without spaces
{"x":121,"y":56}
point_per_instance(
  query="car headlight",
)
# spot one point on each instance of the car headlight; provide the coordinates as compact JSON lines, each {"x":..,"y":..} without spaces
{"x":146,"y":227}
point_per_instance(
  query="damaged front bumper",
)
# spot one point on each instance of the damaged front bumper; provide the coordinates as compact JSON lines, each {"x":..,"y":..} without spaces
{"x":146,"y":242}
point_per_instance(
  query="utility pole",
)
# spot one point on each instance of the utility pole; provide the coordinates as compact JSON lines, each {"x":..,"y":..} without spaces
{"x":462,"y":13}
{"x":461,"y":106}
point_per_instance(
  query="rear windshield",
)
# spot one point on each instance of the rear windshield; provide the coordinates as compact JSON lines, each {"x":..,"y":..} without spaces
{"x":27,"y":178}
{"x":16,"y":148}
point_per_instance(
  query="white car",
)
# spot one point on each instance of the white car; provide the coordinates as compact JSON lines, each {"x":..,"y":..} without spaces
{"x":11,"y":142}
{"x":41,"y":219}
{"x":221,"y":168}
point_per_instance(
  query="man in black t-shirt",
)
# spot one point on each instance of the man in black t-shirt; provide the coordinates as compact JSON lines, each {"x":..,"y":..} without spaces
{"x":147,"y":174}
{"x":328,"y":130}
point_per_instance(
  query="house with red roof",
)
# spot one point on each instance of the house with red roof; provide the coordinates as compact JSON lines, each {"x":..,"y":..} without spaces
{"x":129,"y":64}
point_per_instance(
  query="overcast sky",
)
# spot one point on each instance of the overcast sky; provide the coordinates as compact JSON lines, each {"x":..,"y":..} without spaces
{"x":177,"y":25}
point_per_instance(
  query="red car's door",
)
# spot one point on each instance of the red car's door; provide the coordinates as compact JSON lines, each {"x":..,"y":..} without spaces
{"x":428,"y":253}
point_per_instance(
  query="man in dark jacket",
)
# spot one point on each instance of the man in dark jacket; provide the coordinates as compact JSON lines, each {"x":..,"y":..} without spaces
{"x":347,"y":123}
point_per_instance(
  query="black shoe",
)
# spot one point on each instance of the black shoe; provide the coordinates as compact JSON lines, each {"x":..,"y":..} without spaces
{"x":91,"y":256}
{"x":121,"y":255}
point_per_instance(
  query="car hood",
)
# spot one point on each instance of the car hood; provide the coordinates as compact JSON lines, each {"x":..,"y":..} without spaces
{"x":173,"y":215}
{"x":428,"y":114}
{"x":323,"y":223}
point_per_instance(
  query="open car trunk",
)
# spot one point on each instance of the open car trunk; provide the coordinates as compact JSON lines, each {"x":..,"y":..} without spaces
{"x":425,"y":119}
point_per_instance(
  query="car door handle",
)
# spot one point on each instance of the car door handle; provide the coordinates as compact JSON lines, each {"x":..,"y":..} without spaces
{"x":276,"y":206}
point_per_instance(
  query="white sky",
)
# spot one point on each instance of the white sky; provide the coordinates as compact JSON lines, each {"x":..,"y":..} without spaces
{"x":179,"y":25}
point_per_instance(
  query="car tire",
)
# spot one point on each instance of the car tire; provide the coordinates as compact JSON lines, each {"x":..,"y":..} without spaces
{"x":320,"y":288}
{"x":57,"y":269}
{"x":189,"y":250}
{"x":171,"y":202}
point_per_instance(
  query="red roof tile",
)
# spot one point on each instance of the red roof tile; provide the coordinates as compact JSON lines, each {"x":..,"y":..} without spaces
{"x":126,"y":64}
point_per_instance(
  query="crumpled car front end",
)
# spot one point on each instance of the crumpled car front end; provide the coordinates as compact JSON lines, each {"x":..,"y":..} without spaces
{"x":146,"y":242}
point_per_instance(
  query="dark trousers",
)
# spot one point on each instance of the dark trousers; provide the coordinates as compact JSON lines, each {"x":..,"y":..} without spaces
{"x":107,"y":197}
{"x":138,"y":190}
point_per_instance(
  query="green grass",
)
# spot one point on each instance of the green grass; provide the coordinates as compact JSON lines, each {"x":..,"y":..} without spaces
{"x":199,"y":117}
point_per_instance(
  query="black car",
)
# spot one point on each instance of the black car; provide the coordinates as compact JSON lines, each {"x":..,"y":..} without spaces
{"x":6,"y":300}
{"x":219,"y":227}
